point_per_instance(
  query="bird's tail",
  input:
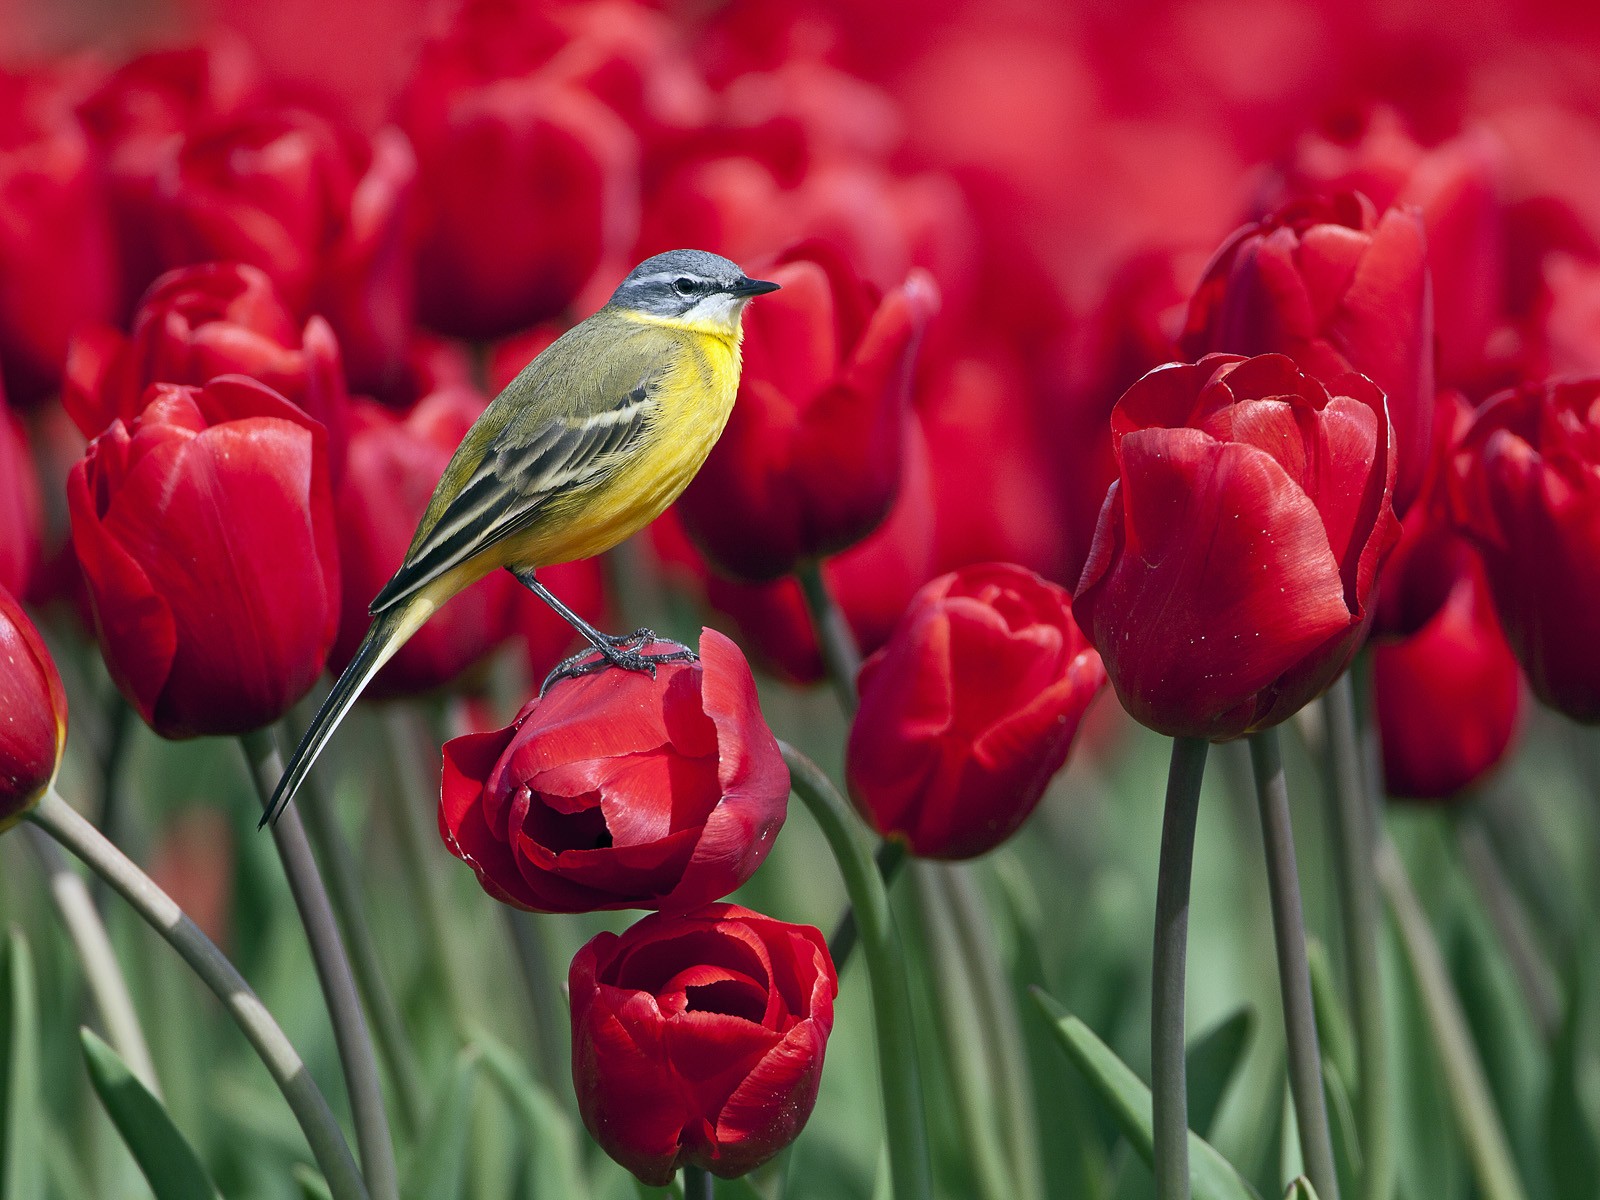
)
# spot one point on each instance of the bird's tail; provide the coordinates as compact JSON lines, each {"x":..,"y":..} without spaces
{"x":388,"y":632}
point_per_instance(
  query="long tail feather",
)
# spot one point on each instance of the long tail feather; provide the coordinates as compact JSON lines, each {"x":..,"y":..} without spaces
{"x":387,"y":634}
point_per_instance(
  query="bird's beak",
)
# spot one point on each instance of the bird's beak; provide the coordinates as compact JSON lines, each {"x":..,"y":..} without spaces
{"x":753,"y":287}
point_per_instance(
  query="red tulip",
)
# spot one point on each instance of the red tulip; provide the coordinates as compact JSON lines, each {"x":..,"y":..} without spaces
{"x":1338,"y":289}
{"x":194,"y":324}
{"x":546,"y":637}
{"x":57,"y":264}
{"x":969,"y":710}
{"x":616,"y":790}
{"x":20,"y":511}
{"x":322,"y":210}
{"x":1527,"y":492}
{"x":810,"y":459}
{"x":1232,"y":571}
{"x":205,"y":530}
{"x":35,"y":729}
{"x":1447,"y":688}
{"x":395,"y":463}
{"x":700,"y":1038}
{"x":530,"y":184}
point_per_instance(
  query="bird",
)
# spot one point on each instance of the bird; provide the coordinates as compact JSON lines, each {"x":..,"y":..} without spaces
{"x":587,"y":445}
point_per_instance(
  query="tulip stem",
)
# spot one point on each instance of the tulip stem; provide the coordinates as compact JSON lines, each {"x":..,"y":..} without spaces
{"x":57,"y":818}
{"x":1294,"y":970}
{"x":1354,"y":829}
{"x":1169,"y":1087}
{"x":905,"y":1127}
{"x":889,"y":858}
{"x":698,"y":1183}
{"x":1484,"y":1136}
{"x":102,"y":974}
{"x":840,"y":654}
{"x":350,"y":1033}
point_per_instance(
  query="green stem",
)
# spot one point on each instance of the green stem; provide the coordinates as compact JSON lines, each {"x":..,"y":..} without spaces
{"x":101,"y":971}
{"x":1294,"y":971}
{"x":344,"y":889}
{"x":698,"y":1184}
{"x":1354,"y":827}
{"x":57,"y":818}
{"x":350,"y":1034}
{"x":532,"y":949}
{"x":1169,"y":1086}
{"x":889,"y":857}
{"x":840,"y":654}
{"x":904,"y":1124}
{"x":1485,"y":1137}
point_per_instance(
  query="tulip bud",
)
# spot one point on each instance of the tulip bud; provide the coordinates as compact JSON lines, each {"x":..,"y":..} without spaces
{"x":206,"y":537}
{"x":1526,"y":490}
{"x":35,"y":729}
{"x":699,"y":1039}
{"x":969,"y":710}
{"x":194,"y":324}
{"x":616,"y":790}
{"x":810,"y":459}
{"x":20,"y":508}
{"x":1232,"y":571}
{"x":1336,"y":288}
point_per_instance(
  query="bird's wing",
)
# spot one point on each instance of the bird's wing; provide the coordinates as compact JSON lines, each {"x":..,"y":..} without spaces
{"x":527,"y":464}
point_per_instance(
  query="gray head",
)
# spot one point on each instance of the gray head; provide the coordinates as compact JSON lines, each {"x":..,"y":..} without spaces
{"x":691,"y":286}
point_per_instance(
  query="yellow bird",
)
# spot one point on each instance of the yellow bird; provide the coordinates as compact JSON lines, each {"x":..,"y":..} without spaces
{"x":586,"y":446}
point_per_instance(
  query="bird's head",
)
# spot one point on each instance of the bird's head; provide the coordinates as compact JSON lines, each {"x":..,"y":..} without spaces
{"x":690,"y":289}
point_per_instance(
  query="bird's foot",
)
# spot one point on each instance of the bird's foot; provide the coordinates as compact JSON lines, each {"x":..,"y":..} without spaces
{"x":619,"y":651}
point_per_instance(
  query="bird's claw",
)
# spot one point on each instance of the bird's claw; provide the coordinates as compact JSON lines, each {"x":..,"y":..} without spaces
{"x":620,"y":652}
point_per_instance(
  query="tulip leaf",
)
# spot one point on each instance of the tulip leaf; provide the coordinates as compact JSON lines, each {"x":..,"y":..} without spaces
{"x":312,"y":1185}
{"x":439,"y":1162}
{"x":558,"y":1167}
{"x":1211,"y":1176}
{"x":1572,"y":1114}
{"x":1334,"y":1035}
{"x":1342,"y":1130}
{"x":1301,"y":1189}
{"x":21,"y":1164}
{"x":1213,"y":1060}
{"x":169,"y":1163}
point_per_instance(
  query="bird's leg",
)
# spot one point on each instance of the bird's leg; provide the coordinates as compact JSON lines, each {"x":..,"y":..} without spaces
{"x":614,"y":651}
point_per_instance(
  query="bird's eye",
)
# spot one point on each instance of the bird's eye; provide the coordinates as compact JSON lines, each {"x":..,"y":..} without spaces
{"x":683,"y":285}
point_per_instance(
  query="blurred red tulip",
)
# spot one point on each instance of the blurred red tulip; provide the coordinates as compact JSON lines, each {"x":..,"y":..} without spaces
{"x":194,"y":324}
{"x":34,"y":732}
{"x":395,"y":463}
{"x":57,"y":262}
{"x":205,"y":530}
{"x":1447,"y":689}
{"x":700,"y":1038}
{"x":20,"y":507}
{"x":969,"y":710}
{"x":1337,"y":289}
{"x":530,"y":184}
{"x":547,"y":638}
{"x":1231,"y":576}
{"x":810,"y":459}
{"x":871,"y":582}
{"x":321,"y":209}
{"x":1526,"y":490}
{"x":616,"y":790}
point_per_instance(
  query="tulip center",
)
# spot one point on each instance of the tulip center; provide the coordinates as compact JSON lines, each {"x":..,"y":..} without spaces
{"x":728,"y":997}
{"x":575,"y":828}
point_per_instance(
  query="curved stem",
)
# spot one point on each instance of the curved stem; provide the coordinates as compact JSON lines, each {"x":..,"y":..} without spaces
{"x":840,"y":654}
{"x":101,"y":971}
{"x":57,"y":818}
{"x":1294,"y":971}
{"x":1169,"y":1087}
{"x":1354,"y":827}
{"x":904,"y":1124}
{"x":890,"y":857}
{"x":1485,"y":1137}
{"x":350,"y":1033}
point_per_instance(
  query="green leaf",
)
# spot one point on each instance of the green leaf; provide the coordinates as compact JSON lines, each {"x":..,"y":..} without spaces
{"x":1342,"y":1131}
{"x":1572,"y":1118}
{"x":1211,"y":1176}
{"x":312,"y":1185}
{"x":21,"y":1164}
{"x":439,"y":1162}
{"x":1333,"y":1022}
{"x":557,"y":1166}
{"x":1301,"y":1189}
{"x":1213,"y":1060}
{"x":169,"y":1163}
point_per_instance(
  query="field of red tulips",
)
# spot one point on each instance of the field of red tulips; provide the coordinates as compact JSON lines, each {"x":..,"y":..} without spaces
{"x":1112,"y":716}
